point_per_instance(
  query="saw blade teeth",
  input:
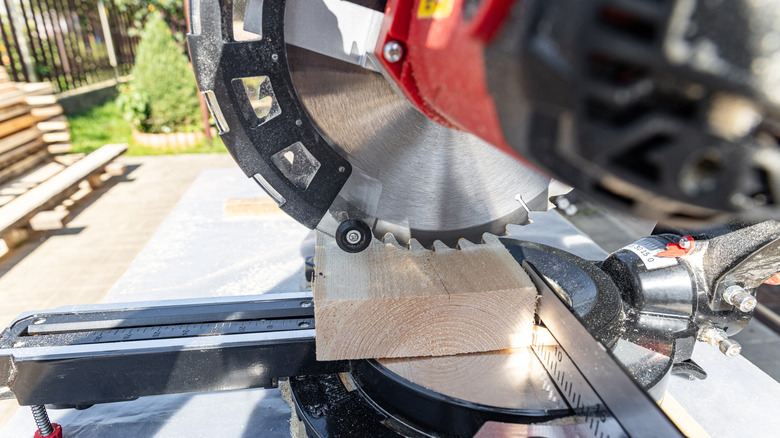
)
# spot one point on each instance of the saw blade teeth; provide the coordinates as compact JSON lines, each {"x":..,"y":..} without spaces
{"x":465,"y":244}
{"x":440,"y":246}
{"x":489,"y":238}
{"x":415,"y":245}
{"x":389,"y":239}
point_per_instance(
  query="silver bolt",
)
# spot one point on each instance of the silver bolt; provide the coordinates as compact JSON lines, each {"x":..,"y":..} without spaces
{"x":393,"y":51}
{"x":718,"y":338}
{"x":354,"y":236}
{"x":684,"y":243}
{"x":739,"y":298}
{"x":730,"y":347}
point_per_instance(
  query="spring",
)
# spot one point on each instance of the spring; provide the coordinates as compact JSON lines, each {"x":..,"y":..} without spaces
{"x":42,"y":420}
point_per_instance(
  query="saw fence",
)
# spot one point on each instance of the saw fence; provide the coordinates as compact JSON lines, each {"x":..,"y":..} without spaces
{"x":39,"y":181}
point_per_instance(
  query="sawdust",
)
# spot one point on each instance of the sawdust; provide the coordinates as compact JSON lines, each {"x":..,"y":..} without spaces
{"x":297,"y":428}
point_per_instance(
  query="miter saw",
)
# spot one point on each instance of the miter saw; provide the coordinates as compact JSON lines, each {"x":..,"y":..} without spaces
{"x":439,"y":121}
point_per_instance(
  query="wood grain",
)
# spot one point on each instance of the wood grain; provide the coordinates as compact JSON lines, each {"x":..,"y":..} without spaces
{"x":510,"y":379}
{"x":16,"y":124}
{"x":388,"y":301}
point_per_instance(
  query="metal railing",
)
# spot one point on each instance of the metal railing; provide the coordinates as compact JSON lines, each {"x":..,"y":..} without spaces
{"x":71,"y":43}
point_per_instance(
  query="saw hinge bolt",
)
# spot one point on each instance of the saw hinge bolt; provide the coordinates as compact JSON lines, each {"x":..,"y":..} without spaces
{"x":393,"y":51}
{"x":738,"y":297}
{"x":718,"y":338}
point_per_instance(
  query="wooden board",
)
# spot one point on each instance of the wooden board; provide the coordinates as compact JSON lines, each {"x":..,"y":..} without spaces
{"x":22,"y":166}
{"x":248,"y":207}
{"x":16,"y":124}
{"x":48,"y":193}
{"x":14,"y":111}
{"x":18,"y":139}
{"x":56,"y":137}
{"x":46,"y":112}
{"x":29,"y":94}
{"x":53,"y":125}
{"x":388,"y":301}
{"x":17,"y":154}
{"x":59,"y":148}
{"x":49,"y":220}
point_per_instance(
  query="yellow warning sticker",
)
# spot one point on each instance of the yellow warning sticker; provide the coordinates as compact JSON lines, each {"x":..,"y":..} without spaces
{"x":435,"y":8}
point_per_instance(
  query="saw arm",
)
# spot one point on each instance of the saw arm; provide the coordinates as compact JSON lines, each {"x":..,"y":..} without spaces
{"x":380,"y":116}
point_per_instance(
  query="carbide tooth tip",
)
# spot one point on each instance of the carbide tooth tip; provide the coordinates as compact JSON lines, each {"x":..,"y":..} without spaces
{"x":414,"y":245}
{"x":389,"y":239}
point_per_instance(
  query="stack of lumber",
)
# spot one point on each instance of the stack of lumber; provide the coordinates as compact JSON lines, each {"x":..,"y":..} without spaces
{"x":38,"y":185}
{"x":32,"y":127}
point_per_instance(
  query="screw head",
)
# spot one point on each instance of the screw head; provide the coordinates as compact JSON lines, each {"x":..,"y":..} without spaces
{"x":353,"y":236}
{"x":393,"y":51}
{"x":684,"y":243}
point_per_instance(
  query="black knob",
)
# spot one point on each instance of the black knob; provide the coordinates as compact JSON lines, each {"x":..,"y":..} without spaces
{"x":353,"y":235}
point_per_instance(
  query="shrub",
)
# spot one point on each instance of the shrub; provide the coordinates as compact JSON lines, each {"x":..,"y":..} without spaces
{"x":163,"y":96}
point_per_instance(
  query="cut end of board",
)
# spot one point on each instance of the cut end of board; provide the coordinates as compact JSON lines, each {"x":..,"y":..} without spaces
{"x":389,"y":301}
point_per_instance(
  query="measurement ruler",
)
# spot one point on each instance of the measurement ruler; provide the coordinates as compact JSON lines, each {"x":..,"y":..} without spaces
{"x":597,"y":421}
{"x":43,"y":339}
{"x":160,"y":322}
{"x":589,"y":378}
{"x":82,"y":355}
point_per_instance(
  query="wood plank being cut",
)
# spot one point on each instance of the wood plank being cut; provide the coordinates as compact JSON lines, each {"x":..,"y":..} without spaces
{"x":389,"y":301}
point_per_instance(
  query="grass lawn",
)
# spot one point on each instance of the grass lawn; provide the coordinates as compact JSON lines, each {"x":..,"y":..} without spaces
{"x":104,"y":124}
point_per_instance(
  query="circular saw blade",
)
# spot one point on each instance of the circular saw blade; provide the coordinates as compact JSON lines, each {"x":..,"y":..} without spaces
{"x":413,"y":177}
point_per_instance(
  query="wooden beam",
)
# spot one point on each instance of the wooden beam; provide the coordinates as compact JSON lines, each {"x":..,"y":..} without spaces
{"x":23,"y":165}
{"x":46,"y":112}
{"x":388,"y":301}
{"x":16,"y":124}
{"x":11,"y":239}
{"x":19,"y":153}
{"x":59,"y":148}
{"x":56,"y":137}
{"x":248,"y":207}
{"x":53,"y":125}
{"x":47,"y":193}
{"x":18,"y":139}
{"x":49,"y":220}
{"x":14,"y":111}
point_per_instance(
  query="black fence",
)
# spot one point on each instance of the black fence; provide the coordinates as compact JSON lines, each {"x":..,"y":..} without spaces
{"x":65,"y":42}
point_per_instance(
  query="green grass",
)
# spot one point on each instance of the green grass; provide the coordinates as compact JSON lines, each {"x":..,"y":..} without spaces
{"x":104,"y":124}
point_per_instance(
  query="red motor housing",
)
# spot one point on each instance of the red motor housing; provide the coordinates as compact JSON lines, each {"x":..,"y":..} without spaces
{"x":439,"y":61}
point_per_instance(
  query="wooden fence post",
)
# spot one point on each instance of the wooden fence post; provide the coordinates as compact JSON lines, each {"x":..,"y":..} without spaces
{"x":24,"y":49}
{"x":107,"y":35}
